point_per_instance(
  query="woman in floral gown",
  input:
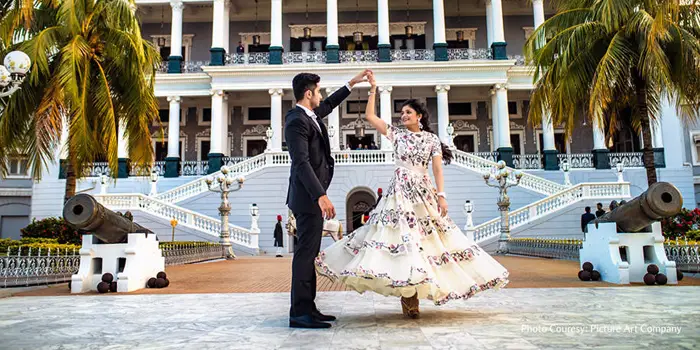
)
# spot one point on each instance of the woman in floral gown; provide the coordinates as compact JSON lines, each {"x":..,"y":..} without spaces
{"x":410,"y":248}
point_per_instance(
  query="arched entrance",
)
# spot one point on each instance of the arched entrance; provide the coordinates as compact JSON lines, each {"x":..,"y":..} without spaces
{"x":358,"y":201}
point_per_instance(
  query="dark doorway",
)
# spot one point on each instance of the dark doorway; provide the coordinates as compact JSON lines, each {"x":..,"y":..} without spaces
{"x":357,"y":143}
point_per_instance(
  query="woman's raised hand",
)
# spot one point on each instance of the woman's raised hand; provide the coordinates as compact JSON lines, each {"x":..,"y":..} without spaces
{"x":370,"y":78}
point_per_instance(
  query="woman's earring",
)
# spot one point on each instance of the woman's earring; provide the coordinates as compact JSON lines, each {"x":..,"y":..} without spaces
{"x":420,"y":126}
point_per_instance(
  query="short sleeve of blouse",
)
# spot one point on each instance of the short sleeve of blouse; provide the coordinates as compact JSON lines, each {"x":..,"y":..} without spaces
{"x":391,"y":132}
{"x":436,"y":149}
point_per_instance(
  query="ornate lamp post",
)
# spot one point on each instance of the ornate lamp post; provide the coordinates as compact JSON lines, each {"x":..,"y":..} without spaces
{"x":12,"y":74}
{"x":565,"y":167}
{"x":268,"y":137}
{"x":468,"y":210}
{"x":223,"y":185}
{"x":331,"y":134}
{"x":254,"y":211}
{"x":451,"y":134}
{"x":501,"y":175}
{"x":620,"y":168}
{"x":154,"y":181}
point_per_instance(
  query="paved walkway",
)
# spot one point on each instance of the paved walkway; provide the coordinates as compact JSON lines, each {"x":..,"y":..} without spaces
{"x":659,"y":317}
{"x":270,"y":275}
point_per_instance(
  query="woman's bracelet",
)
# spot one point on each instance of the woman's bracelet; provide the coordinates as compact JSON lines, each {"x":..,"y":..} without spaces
{"x":370,"y":92}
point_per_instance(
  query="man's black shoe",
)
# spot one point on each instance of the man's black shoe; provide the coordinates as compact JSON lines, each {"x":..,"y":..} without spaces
{"x":307,"y":321}
{"x":321,"y":317}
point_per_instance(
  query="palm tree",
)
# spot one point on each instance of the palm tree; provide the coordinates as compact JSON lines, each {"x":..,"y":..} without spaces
{"x":92,"y":68}
{"x":603,"y":57}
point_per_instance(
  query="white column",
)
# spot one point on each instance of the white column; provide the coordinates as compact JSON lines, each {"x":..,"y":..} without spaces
{"x":65,"y":131}
{"x":494,"y":119}
{"x":503,"y":117}
{"x":547,"y":133}
{"x":226,"y":150}
{"x":174,"y":127}
{"x":334,"y":122}
{"x":489,"y":23}
{"x":538,"y":12}
{"x":657,"y":136}
{"x":122,"y":143}
{"x":276,"y":23}
{"x":383,"y":21}
{"x":497,"y":32}
{"x":672,"y":131}
{"x":217,"y":35}
{"x":386,"y":109}
{"x":598,"y":135}
{"x":227,"y":24}
{"x":443,"y":112}
{"x":176,"y":28}
{"x":276,"y":119}
{"x":439,"y":22}
{"x":217,"y":120}
{"x":332,"y":23}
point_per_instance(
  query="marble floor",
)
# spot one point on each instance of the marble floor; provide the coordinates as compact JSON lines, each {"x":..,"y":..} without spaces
{"x":566,"y":318}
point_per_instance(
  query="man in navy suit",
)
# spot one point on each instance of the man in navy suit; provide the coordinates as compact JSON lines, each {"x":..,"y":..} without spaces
{"x":310,"y":175}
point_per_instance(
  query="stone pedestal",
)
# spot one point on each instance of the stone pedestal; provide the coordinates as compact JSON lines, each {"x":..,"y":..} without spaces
{"x":131,"y":263}
{"x":440,"y":51}
{"x":123,"y":168}
{"x":332,"y":55}
{"x":551,"y":161}
{"x":276,"y":54}
{"x":498,"y":51}
{"x":601,"y":158}
{"x":506,"y":154}
{"x":174,"y":64}
{"x":215,"y":162}
{"x":622,"y":258}
{"x":384,"y":52}
{"x":217,"y":56}
{"x":172,"y":166}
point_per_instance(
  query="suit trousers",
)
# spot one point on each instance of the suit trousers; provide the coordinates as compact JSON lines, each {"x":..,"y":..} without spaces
{"x":309,"y":229}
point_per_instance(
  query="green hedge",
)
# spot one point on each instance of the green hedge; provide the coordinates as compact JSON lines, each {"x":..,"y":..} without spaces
{"x":55,"y":228}
{"x":36,"y":246}
{"x":13,"y":246}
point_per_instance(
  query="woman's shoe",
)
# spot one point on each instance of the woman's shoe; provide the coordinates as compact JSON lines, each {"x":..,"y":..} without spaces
{"x":410,"y":306}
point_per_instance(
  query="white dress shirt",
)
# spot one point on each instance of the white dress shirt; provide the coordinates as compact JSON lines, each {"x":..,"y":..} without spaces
{"x":311,"y":113}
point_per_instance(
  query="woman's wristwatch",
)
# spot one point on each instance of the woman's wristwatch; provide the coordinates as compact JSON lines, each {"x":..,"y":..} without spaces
{"x":442,"y":194}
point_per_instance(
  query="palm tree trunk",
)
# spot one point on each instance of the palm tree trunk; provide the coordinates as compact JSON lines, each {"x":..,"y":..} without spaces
{"x":643,"y":110}
{"x":70,"y":181}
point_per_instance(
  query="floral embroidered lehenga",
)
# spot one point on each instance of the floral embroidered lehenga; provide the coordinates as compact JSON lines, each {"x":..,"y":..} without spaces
{"x":407,"y":249}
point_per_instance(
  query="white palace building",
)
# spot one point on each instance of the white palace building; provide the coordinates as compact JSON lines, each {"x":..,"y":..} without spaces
{"x":225,"y":85}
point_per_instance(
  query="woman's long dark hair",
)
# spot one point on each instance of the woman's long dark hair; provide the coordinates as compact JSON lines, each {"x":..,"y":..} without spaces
{"x":425,"y":123}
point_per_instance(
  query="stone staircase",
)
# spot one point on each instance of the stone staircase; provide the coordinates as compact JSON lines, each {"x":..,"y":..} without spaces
{"x":163,"y":206}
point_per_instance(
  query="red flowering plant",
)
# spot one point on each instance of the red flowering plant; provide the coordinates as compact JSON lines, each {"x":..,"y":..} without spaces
{"x":56,"y":228}
{"x":680,"y":225}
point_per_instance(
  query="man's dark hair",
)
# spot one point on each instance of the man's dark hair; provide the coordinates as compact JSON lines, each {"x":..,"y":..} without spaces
{"x":599,"y":205}
{"x":588,"y":209}
{"x":303,"y":82}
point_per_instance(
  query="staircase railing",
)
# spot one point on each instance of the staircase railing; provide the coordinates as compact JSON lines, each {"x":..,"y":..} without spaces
{"x":546,"y":206}
{"x":528,"y":181}
{"x":167,"y":211}
{"x":198,"y":186}
{"x":250,"y":165}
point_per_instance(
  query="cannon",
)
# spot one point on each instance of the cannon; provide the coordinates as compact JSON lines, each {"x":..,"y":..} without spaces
{"x":624,"y":242}
{"x":85,"y":213}
{"x":660,"y":201}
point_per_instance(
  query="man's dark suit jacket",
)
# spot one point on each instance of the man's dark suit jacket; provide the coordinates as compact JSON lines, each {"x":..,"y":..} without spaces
{"x":585,"y":219}
{"x":312,"y":163}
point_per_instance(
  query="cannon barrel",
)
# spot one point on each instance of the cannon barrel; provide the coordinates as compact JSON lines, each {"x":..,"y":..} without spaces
{"x":85,"y":213}
{"x":659,"y":201}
